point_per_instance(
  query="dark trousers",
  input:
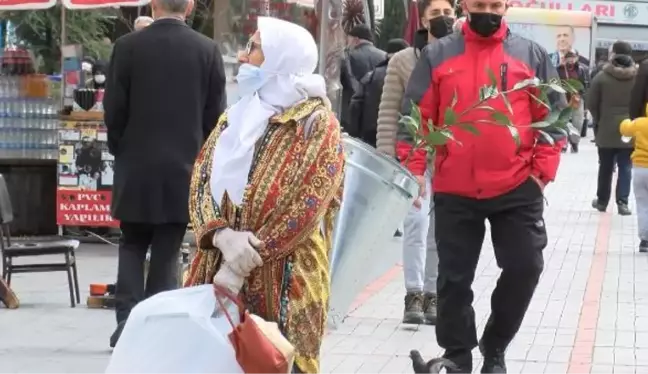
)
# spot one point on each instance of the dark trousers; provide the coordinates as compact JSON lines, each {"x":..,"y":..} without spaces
{"x":607,"y":158}
{"x":519,"y":237}
{"x":165,"y":241}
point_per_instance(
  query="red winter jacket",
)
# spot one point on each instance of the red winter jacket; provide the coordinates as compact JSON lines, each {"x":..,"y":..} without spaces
{"x":489,"y":164}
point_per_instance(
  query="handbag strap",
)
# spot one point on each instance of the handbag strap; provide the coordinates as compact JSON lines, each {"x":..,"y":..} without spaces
{"x":224,"y":291}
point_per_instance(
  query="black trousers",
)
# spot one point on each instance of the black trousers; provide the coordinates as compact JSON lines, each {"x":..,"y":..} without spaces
{"x":136,"y":238}
{"x":519,"y":237}
{"x":607,"y":158}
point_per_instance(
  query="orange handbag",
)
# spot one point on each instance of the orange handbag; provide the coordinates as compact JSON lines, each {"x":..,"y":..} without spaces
{"x":259,"y":346}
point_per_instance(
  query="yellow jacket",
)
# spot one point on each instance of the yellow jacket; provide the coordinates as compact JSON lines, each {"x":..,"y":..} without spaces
{"x":638,"y":129}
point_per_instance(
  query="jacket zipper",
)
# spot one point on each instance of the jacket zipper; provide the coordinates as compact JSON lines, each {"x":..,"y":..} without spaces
{"x":479,"y":80}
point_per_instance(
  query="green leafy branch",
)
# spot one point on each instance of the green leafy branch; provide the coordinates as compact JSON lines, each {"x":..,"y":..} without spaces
{"x":440,"y":134}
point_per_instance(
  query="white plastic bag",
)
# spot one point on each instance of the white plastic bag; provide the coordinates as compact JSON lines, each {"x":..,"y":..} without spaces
{"x":177,"y":332}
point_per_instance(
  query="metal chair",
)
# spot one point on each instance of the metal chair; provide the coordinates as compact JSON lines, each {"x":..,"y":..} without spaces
{"x":16,"y":249}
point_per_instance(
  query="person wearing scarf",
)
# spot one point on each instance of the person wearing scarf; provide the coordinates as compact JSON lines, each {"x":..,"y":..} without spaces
{"x":266,"y":187}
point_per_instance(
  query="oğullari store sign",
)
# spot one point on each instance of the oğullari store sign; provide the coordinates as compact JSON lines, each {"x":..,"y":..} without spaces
{"x":615,"y":12}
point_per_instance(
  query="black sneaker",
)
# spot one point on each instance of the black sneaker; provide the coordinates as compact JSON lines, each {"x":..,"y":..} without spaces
{"x":623,"y":209}
{"x":600,"y":207}
{"x":494,"y":362}
{"x":414,"y":312}
{"x":430,"y":308}
{"x":643,"y":246}
{"x":462,"y":361}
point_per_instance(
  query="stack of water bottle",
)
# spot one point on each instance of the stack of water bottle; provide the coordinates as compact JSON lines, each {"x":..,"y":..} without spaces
{"x":28,"y":118}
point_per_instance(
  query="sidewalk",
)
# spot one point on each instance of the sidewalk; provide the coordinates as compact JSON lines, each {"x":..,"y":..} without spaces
{"x":586,"y":315}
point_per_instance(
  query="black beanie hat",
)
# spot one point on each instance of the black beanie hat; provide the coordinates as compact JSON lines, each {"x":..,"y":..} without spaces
{"x":396,"y":45}
{"x":362,"y":31}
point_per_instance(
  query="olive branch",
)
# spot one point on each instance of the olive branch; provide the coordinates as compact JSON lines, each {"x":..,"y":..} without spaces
{"x":440,"y":134}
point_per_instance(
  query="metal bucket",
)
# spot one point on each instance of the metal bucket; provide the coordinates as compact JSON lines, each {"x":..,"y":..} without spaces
{"x":378,"y":193}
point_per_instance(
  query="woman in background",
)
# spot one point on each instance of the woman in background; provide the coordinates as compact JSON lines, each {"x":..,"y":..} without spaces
{"x":266,"y":187}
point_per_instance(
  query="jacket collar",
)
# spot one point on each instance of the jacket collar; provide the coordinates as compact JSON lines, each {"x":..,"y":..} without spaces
{"x":169,"y":21}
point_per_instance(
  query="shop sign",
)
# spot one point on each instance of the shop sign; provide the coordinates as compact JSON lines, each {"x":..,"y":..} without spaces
{"x":85,"y":175}
{"x":615,"y":12}
{"x":90,"y":4}
{"x":26,"y":4}
{"x":636,"y":45}
{"x":84,"y":208}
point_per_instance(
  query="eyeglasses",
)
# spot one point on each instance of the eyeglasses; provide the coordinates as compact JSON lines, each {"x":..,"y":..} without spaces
{"x":251,"y":46}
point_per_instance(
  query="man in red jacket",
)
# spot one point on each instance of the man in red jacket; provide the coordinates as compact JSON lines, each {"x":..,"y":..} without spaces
{"x":485,"y":177}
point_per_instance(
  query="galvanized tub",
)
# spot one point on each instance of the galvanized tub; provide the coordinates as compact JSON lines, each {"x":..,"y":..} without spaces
{"x":378,"y":193}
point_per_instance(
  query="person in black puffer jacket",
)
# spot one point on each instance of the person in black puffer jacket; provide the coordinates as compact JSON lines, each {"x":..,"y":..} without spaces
{"x":360,"y":57}
{"x":363,"y":109}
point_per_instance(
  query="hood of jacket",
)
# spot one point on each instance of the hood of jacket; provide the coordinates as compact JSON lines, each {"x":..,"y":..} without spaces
{"x":621,"y":67}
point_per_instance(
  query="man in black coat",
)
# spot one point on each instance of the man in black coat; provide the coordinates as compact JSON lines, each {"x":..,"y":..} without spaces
{"x":361,"y":57}
{"x":363,"y":110}
{"x":639,"y":97}
{"x":165,"y":91}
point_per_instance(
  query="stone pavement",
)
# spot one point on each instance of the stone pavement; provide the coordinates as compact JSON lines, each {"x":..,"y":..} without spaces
{"x":587,"y":315}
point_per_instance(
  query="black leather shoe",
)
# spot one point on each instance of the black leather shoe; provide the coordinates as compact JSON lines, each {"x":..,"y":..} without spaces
{"x":494,"y":361}
{"x":623,"y":209}
{"x":598,"y":206}
{"x":462,"y":361}
{"x":114,"y":338}
{"x":643,"y":246}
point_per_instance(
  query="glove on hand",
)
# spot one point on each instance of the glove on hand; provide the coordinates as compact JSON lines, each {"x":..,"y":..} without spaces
{"x":239,"y":249}
{"x":226,"y":277}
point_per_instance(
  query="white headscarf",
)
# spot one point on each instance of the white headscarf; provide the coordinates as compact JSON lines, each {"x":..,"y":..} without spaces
{"x":290,"y":59}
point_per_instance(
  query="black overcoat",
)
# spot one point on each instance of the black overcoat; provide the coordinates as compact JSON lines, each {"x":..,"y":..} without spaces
{"x":165,"y":90}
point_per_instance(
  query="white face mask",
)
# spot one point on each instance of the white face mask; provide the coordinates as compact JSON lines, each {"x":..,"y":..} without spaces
{"x":86,"y":66}
{"x":100,"y":78}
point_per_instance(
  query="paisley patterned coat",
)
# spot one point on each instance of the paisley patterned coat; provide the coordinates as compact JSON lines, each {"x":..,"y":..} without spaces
{"x":293,"y":194}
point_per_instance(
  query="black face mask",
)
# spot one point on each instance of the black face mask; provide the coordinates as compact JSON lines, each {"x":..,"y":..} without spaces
{"x":484,"y":24}
{"x":440,"y":26}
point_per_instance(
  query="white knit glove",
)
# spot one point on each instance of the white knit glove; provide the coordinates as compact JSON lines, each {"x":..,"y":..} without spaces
{"x":239,"y":249}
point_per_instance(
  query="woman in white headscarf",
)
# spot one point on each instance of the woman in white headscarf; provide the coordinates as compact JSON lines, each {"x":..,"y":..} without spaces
{"x":266,"y":186}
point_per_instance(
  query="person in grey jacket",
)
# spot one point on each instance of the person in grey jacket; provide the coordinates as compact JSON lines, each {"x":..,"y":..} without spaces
{"x":361,"y":57}
{"x":608,"y":101}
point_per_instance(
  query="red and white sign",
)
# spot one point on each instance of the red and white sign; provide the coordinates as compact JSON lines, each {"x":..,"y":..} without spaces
{"x":92,"y":4}
{"x":84,"y":208}
{"x":615,"y":12}
{"x":26,"y":4}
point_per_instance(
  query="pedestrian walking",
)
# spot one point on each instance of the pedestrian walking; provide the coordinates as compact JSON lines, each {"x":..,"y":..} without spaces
{"x":360,"y":57}
{"x":571,"y":68}
{"x":363,"y":110}
{"x":608,"y":100}
{"x":484,"y":177}
{"x":165,"y":91}
{"x":639,"y":95}
{"x":420,"y":259}
{"x":637,"y":128}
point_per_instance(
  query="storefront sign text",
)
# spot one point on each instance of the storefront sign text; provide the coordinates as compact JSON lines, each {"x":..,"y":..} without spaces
{"x":84,"y":208}
{"x":616,"y":12}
